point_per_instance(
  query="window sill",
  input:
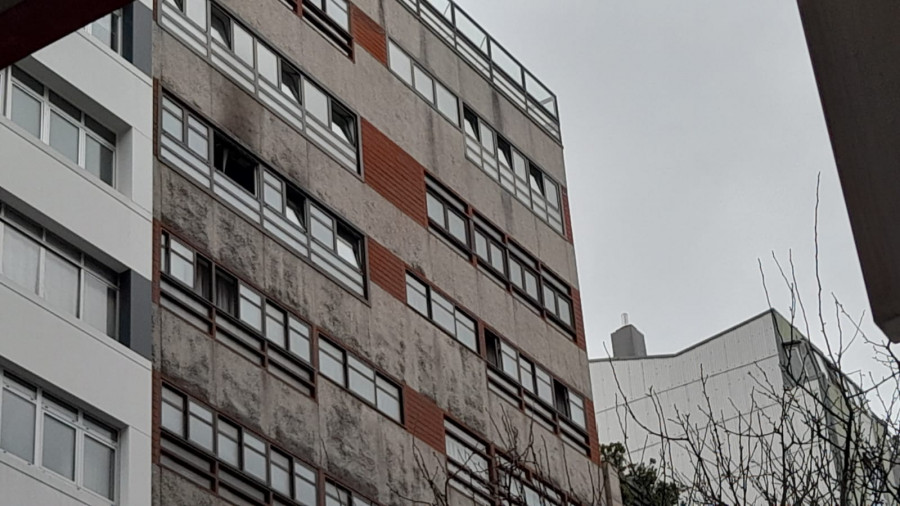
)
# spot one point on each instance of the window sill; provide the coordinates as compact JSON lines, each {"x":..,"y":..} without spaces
{"x":45,"y":478}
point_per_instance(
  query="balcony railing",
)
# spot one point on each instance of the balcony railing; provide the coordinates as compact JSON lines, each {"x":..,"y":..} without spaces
{"x":489,"y":58}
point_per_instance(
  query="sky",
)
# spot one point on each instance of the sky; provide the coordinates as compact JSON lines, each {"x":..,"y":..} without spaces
{"x":693,"y":137}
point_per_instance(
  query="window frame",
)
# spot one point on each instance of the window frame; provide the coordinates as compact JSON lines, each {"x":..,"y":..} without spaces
{"x":48,"y":405}
{"x":47,"y":244}
{"x":8,"y":81}
{"x":436,"y":84}
{"x":117,"y":36}
{"x":457,"y":315}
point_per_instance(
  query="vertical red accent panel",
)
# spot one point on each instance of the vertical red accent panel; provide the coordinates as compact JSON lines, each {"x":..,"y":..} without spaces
{"x":387,"y":270}
{"x":593,"y":438}
{"x":580,"y":340}
{"x":567,"y":215}
{"x":368,"y":34}
{"x":424,"y":419}
{"x":393,"y":173}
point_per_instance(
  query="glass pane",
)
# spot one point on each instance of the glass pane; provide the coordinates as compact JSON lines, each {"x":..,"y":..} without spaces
{"x":221,"y":26}
{"x":198,"y":141}
{"x":61,"y":283}
{"x":251,"y":308}
{"x":400,"y":63}
{"x":98,"y":159}
{"x":17,"y":426}
{"x":243,"y":44}
{"x":196,"y":11}
{"x":59,"y":447}
{"x":457,"y":226}
{"x":298,"y":334}
{"x":423,"y":84}
{"x":172,"y":124}
{"x":290,"y":82}
{"x":26,"y":111}
{"x":337,"y":10}
{"x":435,"y":209}
{"x":447,"y":104}
{"x":331,"y":362}
{"x":99,"y":305}
{"x":388,"y":399}
{"x":267,"y":63}
{"x":316,"y":102}
{"x":279,"y":475}
{"x":200,"y":427}
{"x":321,"y":230}
{"x":347,"y":251}
{"x":227,"y":446}
{"x":20,"y":259}
{"x":442,"y":313}
{"x":362,"y":379}
{"x":416,"y":295}
{"x":172,"y":414}
{"x":304,"y":485}
{"x":102,"y":29}
{"x":99,"y":468}
{"x":275,"y":325}
{"x":254,"y":456}
{"x":64,"y":136}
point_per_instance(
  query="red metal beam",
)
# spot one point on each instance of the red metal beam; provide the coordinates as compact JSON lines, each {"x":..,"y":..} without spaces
{"x":28,"y":25}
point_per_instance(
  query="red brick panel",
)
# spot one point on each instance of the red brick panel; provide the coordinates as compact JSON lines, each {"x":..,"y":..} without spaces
{"x":387,"y":271}
{"x":424,"y":419}
{"x":579,"y":320}
{"x":368,"y":34}
{"x":567,"y":215}
{"x":393,"y":173}
{"x":593,"y":438}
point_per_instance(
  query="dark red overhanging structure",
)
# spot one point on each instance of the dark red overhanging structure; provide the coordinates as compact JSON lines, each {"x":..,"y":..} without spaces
{"x":28,"y":25}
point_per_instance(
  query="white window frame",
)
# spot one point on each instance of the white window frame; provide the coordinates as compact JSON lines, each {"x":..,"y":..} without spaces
{"x":46,"y":108}
{"x":80,"y":425}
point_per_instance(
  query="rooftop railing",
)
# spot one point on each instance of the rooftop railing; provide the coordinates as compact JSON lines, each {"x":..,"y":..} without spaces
{"x":489,"y":58}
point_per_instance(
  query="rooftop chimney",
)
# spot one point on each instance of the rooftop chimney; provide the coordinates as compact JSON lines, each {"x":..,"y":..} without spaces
{"x":628,"y":342}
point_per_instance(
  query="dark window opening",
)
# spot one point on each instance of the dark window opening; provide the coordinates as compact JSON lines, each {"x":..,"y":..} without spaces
{"x":203,"y":278}
{"x":290,"y":81}
{"x":221,"y":26}
{"x":561,"y":397}
{"x":235,"y":163}
{"x":537,"y":180}
{"x":505,"y":151}
{"x":296,"y":208}
{"x":226,"y":293}
{"x":492,"y":345}
{"x":471,"y":121}
{"x":343,"y":122}
{"x":349,"y":246}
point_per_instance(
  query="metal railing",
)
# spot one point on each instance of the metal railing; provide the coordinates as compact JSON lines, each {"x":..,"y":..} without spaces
{"x":489,"y":58}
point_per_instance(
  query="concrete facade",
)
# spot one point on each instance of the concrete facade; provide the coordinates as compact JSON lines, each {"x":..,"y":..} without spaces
{"x":213,"y":353}
{"x":57,"y":212}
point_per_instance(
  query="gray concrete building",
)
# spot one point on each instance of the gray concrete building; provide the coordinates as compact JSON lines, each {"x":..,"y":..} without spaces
{"x":364,"y":281}
{"x":76,"y":204}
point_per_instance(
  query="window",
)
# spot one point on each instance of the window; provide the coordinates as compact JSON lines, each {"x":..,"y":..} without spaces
{"x":467,"y":461}
{"x":515,"y":173}
{"x":536,"y":381}
{"x":419,"y":79}
{"x":108,"y":30}
{"x":495,"y":252}
{"x":360,"y":378}
{"x":335,"y":495}
{"x":336,"y":10}
{"x":447,"y":214}
{"x":234,"y":162}
{"x":55,"y":121}
{"x":39,"y":262}
{"x":62,"y":439}
{"x":442,"y":312}
{"x":236,"y":447}
{"x":255,"y":190}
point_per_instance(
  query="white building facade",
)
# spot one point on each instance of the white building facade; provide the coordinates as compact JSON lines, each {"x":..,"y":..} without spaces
{"x":76,"y":196}
{"x":741,"y":381}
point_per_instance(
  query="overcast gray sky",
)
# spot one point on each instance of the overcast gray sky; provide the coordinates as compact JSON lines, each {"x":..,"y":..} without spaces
{"x":693,"y":135}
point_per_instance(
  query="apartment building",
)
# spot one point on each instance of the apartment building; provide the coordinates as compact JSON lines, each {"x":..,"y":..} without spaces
{"x":364,"y":281}
{"x":758,"y":403}
{"x":76,"y":222}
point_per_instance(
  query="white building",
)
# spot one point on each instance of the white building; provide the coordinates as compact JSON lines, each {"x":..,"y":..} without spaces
{"x":76,"y":130}
{"x":746,"y":373}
